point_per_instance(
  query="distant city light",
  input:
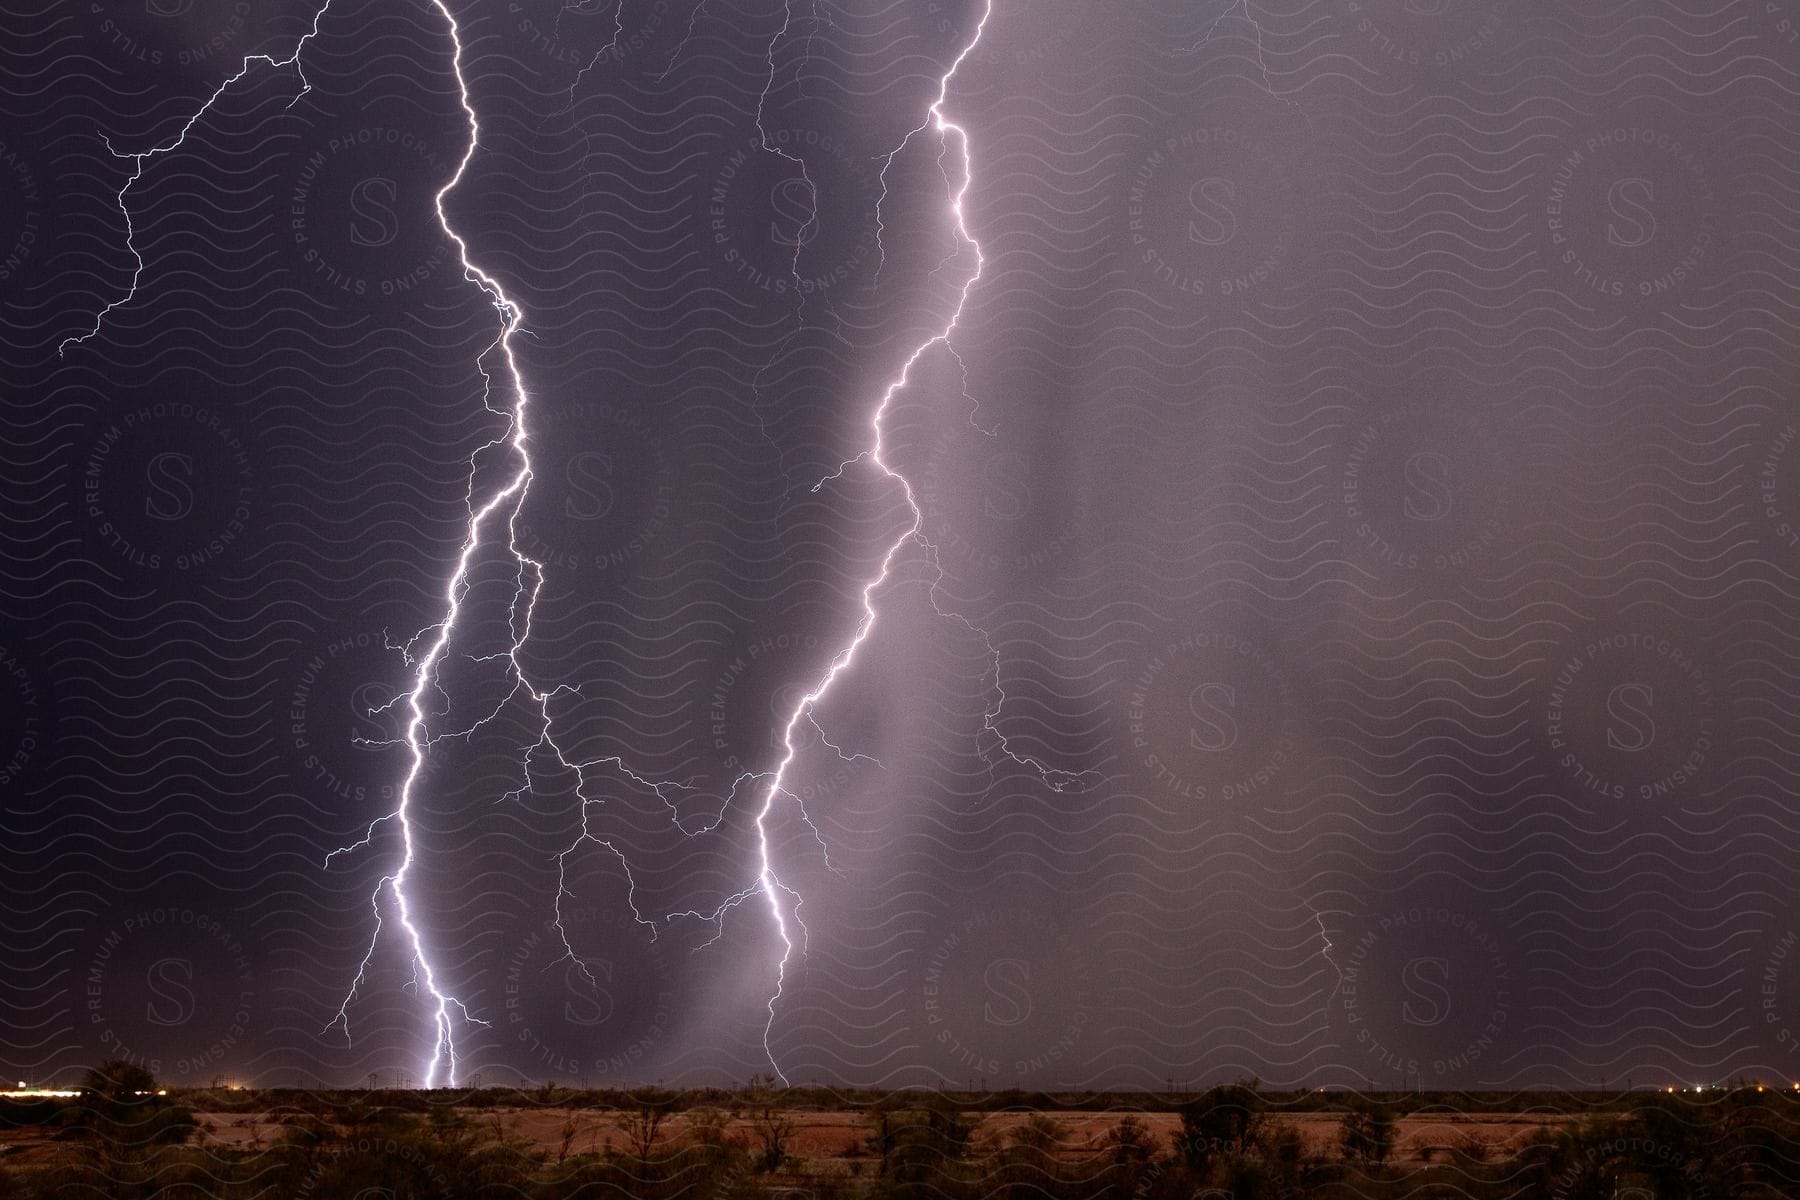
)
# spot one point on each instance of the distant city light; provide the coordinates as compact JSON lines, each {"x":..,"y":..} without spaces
{"x":27,"y":1092}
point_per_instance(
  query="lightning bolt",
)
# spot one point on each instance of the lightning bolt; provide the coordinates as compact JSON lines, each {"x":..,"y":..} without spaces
{"x":807,"y":230}
{"x":1057,"y":779}
{"x":1326,"y":949}
{"x":507,"y":501}
{"x":610,"y":47}
{"x":675,"y":58}
{"x":505,"y":504}
{"x":425,"y":977}
{"x":767,"y":882}
{"x":1262,"y":64}
{"x":782,"y":900}
{"x":141,"y":159}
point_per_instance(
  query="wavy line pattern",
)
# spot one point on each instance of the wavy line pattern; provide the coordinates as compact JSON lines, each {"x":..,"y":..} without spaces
{"x":1371,"y":449}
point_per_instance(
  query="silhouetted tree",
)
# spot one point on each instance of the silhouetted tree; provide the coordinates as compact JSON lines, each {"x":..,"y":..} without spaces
{"x":120,"y":1103}
{"x":1367,"y":1135}
{"x":772,"y":1128}
{"x":1129,"y":1142}
{"x":1227,"y":1119}
{"x":642,"y":1128}
{"x":919,"y":1139}
{"x":1023,"y":1163}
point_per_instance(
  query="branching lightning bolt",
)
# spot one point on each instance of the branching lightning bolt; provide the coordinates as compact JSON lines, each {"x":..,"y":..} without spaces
{"x":508,"y":500}
{"x":783,"y":901}
{"x":505,"y":505}
{"x":141,"y":159}
{"x":1256,"y":28}
{"x":611,"y":47}
{"x":675,"y":58}
{"x":425,"y":977}
{"x":1057,"y":779}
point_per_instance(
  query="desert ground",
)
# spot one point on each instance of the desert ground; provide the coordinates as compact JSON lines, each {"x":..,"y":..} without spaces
{"x":824,"y":1134}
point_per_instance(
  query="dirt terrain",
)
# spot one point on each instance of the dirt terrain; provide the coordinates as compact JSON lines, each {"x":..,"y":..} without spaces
{"x":833,"y":1135}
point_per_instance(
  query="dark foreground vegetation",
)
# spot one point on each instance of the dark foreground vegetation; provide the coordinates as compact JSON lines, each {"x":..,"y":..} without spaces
{"x":122,"y":1140}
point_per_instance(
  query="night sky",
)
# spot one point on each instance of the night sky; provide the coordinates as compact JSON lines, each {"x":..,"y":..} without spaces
{"x":1350,"y":637}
